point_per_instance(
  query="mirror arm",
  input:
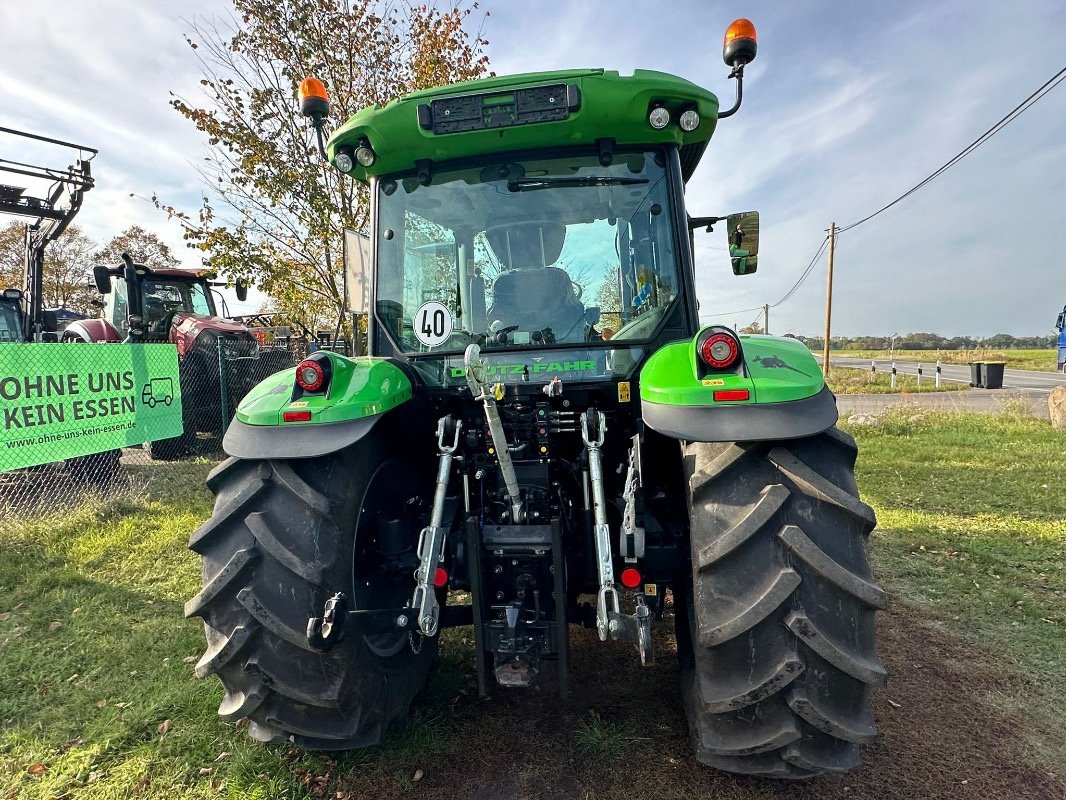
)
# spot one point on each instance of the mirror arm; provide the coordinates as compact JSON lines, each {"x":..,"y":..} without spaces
{"x":738,"y":73}
{"x":703,"y":222}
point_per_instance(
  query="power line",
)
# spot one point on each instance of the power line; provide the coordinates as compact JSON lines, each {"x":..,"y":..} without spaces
{"x":729,"y":313}
{"x":1012,"y":115}
{"x":803,"y":277}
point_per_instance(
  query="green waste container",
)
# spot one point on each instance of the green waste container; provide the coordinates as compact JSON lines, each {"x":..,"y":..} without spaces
{"x":975,"y":374}
{"x":992,"y":372}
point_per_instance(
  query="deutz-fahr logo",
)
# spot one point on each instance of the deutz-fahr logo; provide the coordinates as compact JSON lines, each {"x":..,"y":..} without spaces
{"x":551,"y":367}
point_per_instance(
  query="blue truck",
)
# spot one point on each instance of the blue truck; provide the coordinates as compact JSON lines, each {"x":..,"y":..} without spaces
{"x":1060,"y":324}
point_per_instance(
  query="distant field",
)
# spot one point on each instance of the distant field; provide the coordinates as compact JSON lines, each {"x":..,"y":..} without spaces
{"x":1019,"y":359}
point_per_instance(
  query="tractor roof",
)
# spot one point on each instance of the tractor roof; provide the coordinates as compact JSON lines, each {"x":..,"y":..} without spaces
{"x":530,"y":111}
{"x":165,"y":272}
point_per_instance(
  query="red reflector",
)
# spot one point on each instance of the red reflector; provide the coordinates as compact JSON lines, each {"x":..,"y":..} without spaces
{"x":630,"y":578}
{"x":440,"y":578}
{"x":731,"y":394}
{"x":296,"y":416}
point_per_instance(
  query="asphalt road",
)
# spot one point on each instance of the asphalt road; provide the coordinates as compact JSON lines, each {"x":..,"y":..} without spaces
{"x":1029,"y":380}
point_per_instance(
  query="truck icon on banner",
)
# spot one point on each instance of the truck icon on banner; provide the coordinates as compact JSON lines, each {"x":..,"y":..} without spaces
{"x":158,"y":390}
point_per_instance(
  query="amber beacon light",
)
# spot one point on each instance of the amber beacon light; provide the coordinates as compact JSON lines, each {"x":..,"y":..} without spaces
{"x":314,"y":99}
{"x":740,"y":44}
{"x":738,"y":49}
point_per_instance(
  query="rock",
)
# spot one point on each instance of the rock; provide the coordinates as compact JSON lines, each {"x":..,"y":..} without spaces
{"x":863,"y":420}
{"x":1056,"y":403}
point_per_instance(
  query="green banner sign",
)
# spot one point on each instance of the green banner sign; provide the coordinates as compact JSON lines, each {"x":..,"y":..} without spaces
{"x":60,"y":401}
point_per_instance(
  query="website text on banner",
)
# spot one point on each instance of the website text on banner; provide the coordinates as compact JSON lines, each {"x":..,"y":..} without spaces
{"x":60,"y":401}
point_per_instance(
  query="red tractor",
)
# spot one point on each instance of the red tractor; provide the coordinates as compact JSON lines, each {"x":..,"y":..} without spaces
{"x":218,"y":357}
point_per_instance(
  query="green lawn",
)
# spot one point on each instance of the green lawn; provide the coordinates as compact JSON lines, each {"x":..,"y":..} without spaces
{"x":99,"y":701}
{"x":1018,"y":359}
{"x":971,"y":527}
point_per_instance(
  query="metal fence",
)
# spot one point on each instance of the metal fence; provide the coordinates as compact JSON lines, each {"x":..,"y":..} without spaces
{"x":213,"y":380}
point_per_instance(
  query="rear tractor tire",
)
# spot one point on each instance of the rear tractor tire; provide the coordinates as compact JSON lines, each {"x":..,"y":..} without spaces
{"x":285,"y":536}
{"x":779,"y":634}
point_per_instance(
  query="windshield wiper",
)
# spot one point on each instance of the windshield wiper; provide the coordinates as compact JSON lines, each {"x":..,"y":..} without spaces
{"x":532,"y":184}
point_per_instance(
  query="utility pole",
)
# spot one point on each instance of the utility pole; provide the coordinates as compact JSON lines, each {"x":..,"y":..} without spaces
{"x":766,"y":318}
{"x":829,"y":298}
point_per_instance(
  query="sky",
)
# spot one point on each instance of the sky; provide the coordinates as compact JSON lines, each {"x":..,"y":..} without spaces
{"x":847,"y":105}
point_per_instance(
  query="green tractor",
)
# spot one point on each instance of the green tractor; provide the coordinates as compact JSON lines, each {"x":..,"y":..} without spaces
{"x":543,"y":424}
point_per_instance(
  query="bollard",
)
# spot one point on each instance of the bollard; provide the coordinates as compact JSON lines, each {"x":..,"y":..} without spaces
{"x":937,"y":384}
{"x":873,"y":367}
{"x":919,"y":376}
{"x":893,"y":376}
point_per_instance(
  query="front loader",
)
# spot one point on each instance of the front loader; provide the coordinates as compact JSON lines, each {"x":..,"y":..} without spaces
{"x":543,"y":423}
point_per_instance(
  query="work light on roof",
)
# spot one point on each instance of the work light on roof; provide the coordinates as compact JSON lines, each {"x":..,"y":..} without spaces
{"x":343,"y":162}
{"x":364,"y":155}
{"x":659,"y":117}
{"x":689,"y":120}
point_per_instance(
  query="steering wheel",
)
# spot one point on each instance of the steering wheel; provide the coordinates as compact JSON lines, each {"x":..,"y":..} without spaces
{"x":163,"y":325}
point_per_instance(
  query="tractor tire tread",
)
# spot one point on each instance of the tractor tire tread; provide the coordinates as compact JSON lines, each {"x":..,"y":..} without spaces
{"x":780,"y":617}
{"x":274,"y":550}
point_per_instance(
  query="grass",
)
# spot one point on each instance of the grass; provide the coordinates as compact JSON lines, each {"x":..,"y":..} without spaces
{"x":99,"y":701}
{"x":845,"y":380}
{"x":971,"y":528}
{"x":96,"y":662}
{"x":1017,"y":359}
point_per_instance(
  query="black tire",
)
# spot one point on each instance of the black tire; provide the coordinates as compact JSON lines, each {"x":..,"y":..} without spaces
{"x":284,"y":537}
{"x":172,"y":449}
{"x":778,"y":640}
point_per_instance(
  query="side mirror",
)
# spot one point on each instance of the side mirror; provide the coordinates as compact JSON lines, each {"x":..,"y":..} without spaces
{"x":242,"y":290}
{"x":102,"y":280}
{"x":49,"y":321}
{"x":1060,"y":323}
{"x":743,"y":232}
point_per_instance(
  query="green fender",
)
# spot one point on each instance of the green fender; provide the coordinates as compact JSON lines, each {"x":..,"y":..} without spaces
{"x":360,"y":392}
{"x":786,"y":393}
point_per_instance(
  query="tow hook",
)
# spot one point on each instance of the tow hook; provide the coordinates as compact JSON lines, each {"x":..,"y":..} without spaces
{"x":635,"y":629}
{"x":326,"y":631}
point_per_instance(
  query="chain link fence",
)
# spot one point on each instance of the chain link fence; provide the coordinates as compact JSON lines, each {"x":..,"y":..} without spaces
{"x":214,"y":375}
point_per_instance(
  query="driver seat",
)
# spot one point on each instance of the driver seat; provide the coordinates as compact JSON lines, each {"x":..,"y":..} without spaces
{"x":538,"y":298}
{"x":530,"y":295}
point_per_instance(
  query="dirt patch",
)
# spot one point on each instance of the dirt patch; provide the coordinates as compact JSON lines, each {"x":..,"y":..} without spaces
{"x":624,"y":734}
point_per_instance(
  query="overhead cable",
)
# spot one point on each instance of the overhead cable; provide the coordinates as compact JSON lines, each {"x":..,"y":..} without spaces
{"x":1012,"y":115}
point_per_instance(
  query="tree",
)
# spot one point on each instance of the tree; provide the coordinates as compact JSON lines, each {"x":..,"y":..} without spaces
{"x":144,"y":247}
{"x":274,"y":210}
{"x":67,"y":266}
{"x":12,"y":255}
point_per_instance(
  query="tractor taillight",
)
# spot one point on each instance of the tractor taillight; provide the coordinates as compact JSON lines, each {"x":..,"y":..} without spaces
{"x":296,"y":416}
{"x":310,"y":376}
{"x":630,"y":577}
{"x":720,"y":350}
{"x":440,"y":578}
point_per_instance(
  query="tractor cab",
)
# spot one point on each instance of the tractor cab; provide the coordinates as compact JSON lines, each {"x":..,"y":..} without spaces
{"x":164,"y":294}
{"x":528,"y":251}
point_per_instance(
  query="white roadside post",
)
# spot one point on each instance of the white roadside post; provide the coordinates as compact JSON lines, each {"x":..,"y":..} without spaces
{"x":937,"y":384}
{"x":919,"y":376}
{"x":893,"y":376}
